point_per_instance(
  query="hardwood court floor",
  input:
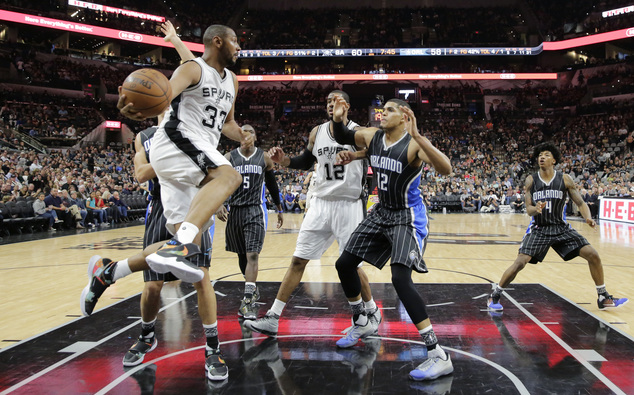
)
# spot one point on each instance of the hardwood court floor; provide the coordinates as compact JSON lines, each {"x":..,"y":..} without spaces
{"x":41,"y":280}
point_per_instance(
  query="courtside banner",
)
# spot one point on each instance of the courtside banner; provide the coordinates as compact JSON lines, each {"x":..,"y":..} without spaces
{"x":90,"y":29}
{"x":617,"y":209}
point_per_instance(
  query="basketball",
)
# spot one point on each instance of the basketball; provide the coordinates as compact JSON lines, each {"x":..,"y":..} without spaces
{"x":148,"y":90}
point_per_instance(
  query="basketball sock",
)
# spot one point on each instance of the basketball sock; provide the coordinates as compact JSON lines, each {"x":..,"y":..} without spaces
{"x":429,"y":337}
{"x":358,"y":312}
{"x":121,"y":270}
{"x":147,"y":331}
{"x":186,"y":233}
{"x":249,"y":289}
{"x":370,"y":306}
{"x":602,"y":291}
{"x":211,"y":333}
{"x":278,"y":307}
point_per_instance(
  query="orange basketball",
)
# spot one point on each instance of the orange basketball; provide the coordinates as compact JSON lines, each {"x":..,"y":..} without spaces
{"x":148,"y":90}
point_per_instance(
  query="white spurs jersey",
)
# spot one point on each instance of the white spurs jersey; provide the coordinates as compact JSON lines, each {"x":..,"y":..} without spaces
{"x":335,"y":181}
{"x":203,"y":108}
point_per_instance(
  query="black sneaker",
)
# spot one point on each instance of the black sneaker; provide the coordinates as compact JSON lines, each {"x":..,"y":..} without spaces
{"x":172,"y":257}
{"x":215,"y":365}
{"x":137,"y":352}
{"x":98,"y":270}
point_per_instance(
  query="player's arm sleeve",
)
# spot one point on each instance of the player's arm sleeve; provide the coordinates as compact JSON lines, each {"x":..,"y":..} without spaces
{"x":342,"y":134}
{"x":303,"y":162}
{"x":271,"y":185}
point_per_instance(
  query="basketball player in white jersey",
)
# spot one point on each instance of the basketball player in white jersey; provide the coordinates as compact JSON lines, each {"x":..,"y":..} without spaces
{"x":195,"y":178}
{"x":336,"y":208}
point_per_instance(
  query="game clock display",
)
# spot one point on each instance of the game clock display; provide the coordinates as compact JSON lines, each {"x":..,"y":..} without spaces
{"x":352,"y":52}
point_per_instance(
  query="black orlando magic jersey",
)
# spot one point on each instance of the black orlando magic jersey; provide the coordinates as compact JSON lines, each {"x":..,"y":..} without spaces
{"x":396,"y":181}
{"x":554,"y":193}
{"x":252,"y":170}
{"x":146,"y":140}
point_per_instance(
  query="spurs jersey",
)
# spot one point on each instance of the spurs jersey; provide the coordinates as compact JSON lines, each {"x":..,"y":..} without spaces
{"x":335,"y":181}
{"x":252,"y":170}
{"x":554,"y":193}
{"x":146,"y":140}
{"x":202,"y":108}
{"x":396,"y":180}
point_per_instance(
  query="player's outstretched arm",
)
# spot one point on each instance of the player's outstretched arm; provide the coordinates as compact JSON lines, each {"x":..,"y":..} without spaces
{"x":576,"y":197}
{"x":345,"y":157}
{"x":359,"y":137}
{"x":171,"y":37}
{"x":427,"y":152}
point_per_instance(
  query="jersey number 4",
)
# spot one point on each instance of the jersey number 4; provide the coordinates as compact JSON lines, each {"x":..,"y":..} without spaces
{"x":214,"y":120}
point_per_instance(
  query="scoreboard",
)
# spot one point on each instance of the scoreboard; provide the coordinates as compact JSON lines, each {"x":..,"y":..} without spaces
{"x":365,"y":52}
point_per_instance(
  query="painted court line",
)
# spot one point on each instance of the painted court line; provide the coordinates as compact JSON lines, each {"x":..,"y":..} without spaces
{"x":566,"y":347}
{"x":75,"y":355}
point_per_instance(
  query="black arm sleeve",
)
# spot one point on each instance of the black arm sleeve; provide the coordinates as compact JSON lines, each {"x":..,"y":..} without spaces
{"x":304,"y":161}
{"x":342,"y":134}
{"x":271,"y":185}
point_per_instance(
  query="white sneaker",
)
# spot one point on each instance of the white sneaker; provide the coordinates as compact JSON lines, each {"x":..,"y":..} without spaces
{"x":432,"y":368}
{"x":358,"y":332}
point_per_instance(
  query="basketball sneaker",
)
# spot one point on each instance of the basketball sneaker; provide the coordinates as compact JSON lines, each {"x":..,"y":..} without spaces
{"x":247,"y":309}
{"x":266,"y":325}
{"x":357,"y":332}
{"x":610,"y":302}
{"x":256,"y":294}
{"x":432,"y":368}
{"x":377,"y":318}
{"x":493,"y":303}
{"x":99,"y":273}
{"x":137,"y":352}
{"x":215,"y":365}
{"x":172,"y":257}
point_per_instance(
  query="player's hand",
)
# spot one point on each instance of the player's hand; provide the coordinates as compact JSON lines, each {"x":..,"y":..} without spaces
{"x":345,"y":157}
{"x":126,"y":109}
{"x":277,"y":154}
{"x":222,"y":213}
{"x":539,"y":207}
{"x":170,"y":32}
{"x":248,"y":139}
{"x":339,"y":109}
{"x":591,"y":223}
{"x":410,"y":121}
{"x":280,"y":220}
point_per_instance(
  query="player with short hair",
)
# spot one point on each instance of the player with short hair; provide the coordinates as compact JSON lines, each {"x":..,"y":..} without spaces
{"x":396,"y":228}
{"x":336,"y":207}
{"x":248,"y":215}
{"x":545,"y":193}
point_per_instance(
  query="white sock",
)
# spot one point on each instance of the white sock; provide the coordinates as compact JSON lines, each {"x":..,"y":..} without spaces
{"x":370,"y":306}
{"x":123,"y":269}
{"x":186,"y":233}
{"x":278,"y":307}
{"x":437,"y":352}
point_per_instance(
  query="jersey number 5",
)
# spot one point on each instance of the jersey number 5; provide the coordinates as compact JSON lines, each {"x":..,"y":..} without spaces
{"x":210,"y":121}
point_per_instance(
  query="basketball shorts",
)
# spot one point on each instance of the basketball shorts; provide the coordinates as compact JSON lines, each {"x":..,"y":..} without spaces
{"x":566,"y":243}
{"x":180,"y":160}
{"x":246,"y":227}
{"x":325,"y":222}
{"x":156,"y":231}
{"x":397,"y":234}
